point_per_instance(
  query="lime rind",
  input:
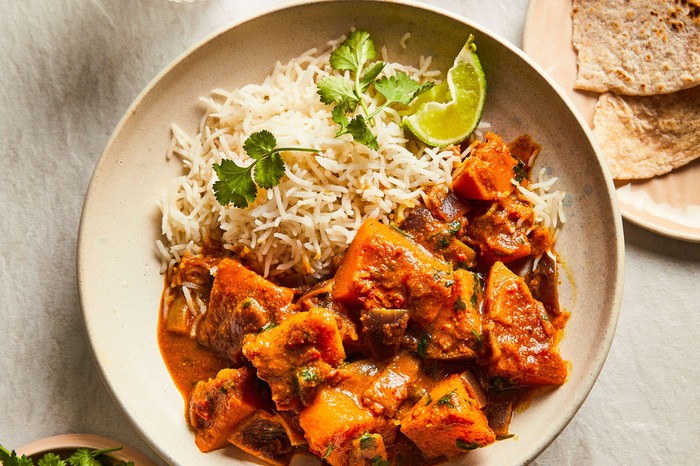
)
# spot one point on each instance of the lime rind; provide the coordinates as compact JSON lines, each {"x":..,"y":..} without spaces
{"x":451,"y":111}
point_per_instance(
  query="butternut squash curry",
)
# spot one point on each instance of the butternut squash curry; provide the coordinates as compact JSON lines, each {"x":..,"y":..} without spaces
{"x":416,"y":350}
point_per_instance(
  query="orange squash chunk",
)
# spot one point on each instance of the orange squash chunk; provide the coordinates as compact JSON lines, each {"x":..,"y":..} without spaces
{"x":485,"y":175}
{"x":447,"y":421}
{"x":456,"y":331}
{"x":383,"y":268}
{"x":297,"y":356}
{"x":217,"y":405}
{"x":392,"y":386}
{"x":520,"y":334}
{"x":333,"y":420}
{"x":229,"y":319}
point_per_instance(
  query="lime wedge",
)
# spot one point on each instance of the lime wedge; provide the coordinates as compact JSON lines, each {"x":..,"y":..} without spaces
{"x":450,"y":112}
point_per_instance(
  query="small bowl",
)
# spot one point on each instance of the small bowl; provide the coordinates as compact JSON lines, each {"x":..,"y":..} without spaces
{"x":94,"y":442}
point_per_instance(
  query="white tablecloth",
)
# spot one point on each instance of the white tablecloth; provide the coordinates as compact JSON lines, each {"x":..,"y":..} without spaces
{"x":68,"y":71}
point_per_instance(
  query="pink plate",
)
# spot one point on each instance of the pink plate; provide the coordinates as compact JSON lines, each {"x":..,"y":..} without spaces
{"x":668,"y":204}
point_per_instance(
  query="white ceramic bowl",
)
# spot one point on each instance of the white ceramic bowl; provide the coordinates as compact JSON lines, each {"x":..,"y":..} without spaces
{"x":120,"y":285}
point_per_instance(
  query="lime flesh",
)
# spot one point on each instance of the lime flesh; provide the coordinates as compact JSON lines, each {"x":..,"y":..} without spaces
{"x":450,"y":112}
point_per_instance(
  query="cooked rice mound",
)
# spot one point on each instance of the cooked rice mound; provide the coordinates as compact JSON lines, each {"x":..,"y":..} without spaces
{"x":313,"y":214}
{"x":311,"y":217}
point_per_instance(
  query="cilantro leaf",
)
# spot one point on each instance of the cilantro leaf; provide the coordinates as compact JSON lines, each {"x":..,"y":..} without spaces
{"x":339,"y":117}
{"x":51,"y":459}
{"x":269,"y":171}
{"x":398,"y":88}
{"x":361,"y":133}
{"x":339,"y":91}
{"x":235,"y":185}
{"x":260,"y":144}
{"x":371,"y":74}
{"x":354,"y":52}
{"x":11,"y":459}
{"x":88,"y":457}
{"x":84,"y":457}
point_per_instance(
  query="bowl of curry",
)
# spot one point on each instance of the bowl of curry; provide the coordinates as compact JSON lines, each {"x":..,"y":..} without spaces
{"x":465,"y":330}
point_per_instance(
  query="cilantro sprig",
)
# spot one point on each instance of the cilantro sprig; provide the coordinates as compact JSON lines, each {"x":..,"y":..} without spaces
{"x":356,"y":55}
{"x":239,"y":185}
{"x":80,"y":457}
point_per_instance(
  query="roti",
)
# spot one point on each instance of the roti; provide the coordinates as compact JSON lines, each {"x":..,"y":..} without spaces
{"x":643,"y":137}
{"x":637,"y":47}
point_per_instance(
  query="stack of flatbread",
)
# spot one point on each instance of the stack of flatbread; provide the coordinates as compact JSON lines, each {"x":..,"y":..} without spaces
{"x":643,"y":56}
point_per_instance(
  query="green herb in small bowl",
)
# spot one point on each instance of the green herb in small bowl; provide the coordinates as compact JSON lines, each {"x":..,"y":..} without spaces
{"x":63,"y":457}
{"x":74,"y":450}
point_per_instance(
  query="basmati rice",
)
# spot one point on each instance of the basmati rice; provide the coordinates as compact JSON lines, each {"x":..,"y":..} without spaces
{"x":311,"y":217}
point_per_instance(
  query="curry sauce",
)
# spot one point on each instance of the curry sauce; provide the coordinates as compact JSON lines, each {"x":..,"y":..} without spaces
{"x":416,"y":350}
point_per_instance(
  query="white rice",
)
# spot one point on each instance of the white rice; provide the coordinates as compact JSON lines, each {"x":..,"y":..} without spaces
{"x":547,"y":203}
{"x":313,"y":214}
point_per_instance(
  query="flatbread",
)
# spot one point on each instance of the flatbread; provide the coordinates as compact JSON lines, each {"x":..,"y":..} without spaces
{"x":643,"y":137}
{"x":637,"y":47}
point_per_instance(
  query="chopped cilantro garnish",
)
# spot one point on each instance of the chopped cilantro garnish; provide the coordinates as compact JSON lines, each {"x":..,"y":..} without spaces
{"x":423,"y":345}
{"x":478,"y":337}
{"x":268,"y":326}
{"x":328,"y":452}
{"x":477,"y":289}
{"x":447,"y":400}
{"x":399,"y":230}
{"x":519,"y":171}
{"x":367,"y":441}
{"x":379,"y":461}
{"x":443,"y":242}
{"x":462,"y":445}
{"x":309,"y":374}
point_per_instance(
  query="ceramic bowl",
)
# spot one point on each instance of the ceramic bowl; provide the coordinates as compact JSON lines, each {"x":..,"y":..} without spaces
{"x":118,"y":268}
{"x":69,"y":442}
